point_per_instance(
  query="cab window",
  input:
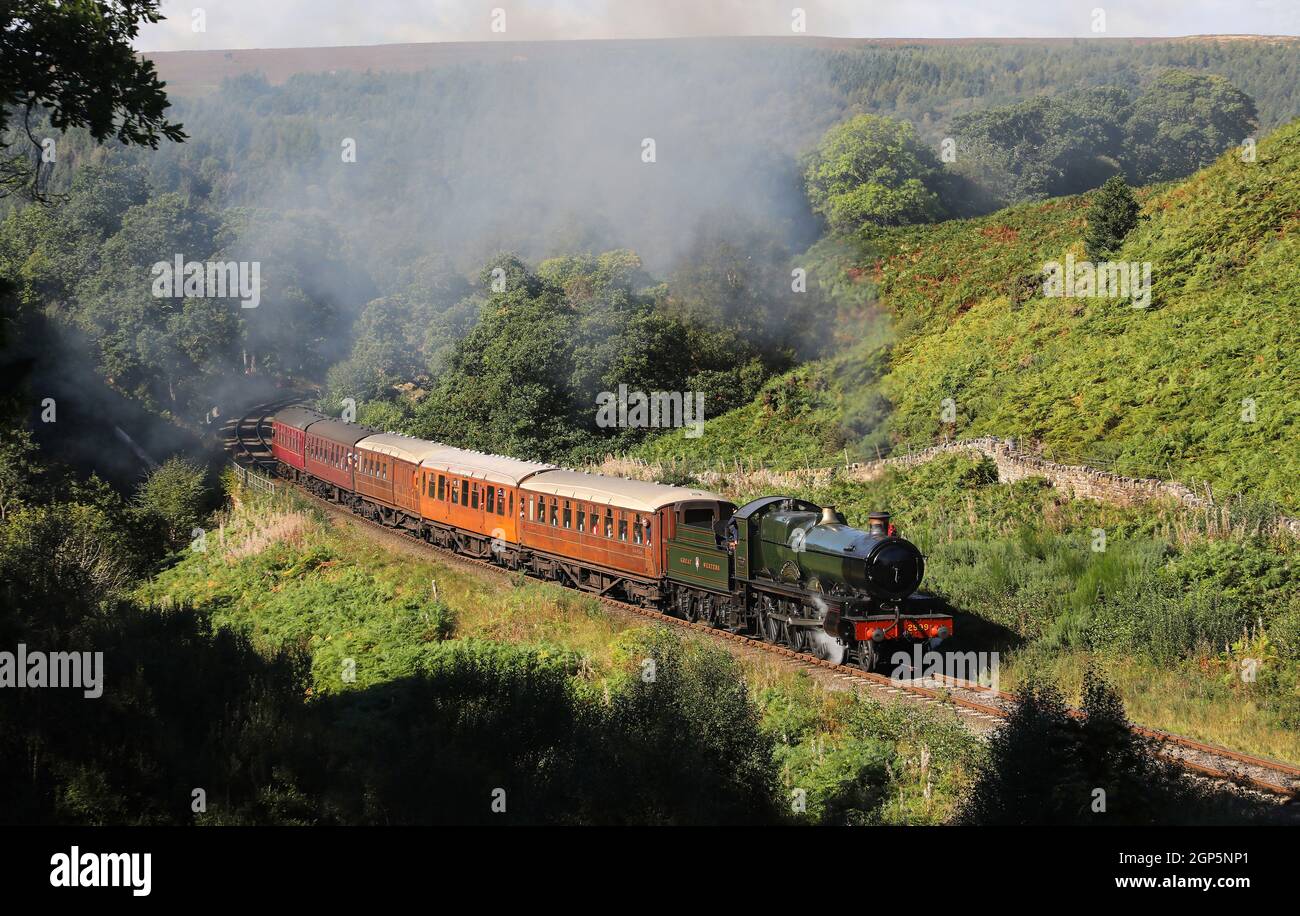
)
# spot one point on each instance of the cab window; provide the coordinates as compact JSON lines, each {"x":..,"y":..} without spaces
{"x":698,"y":518}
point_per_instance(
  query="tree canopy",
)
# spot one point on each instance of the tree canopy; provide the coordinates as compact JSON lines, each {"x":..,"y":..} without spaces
{"x":872,"y":170}
{"x":75,"y":61}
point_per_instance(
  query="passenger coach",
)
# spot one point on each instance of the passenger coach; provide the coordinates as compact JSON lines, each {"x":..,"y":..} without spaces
{"x":604,"y":533}
{"x":289,"y":435}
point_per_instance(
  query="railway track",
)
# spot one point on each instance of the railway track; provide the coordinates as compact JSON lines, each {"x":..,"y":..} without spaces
{"x":981,"y":707}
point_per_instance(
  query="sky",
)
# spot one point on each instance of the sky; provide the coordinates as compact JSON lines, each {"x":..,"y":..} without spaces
{"x":324,"y":23}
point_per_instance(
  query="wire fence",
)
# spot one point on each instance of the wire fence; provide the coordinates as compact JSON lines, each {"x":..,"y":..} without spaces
{"x":253,"y":479}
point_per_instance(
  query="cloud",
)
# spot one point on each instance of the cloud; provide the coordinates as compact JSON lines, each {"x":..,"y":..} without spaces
{"x":325,"y":23}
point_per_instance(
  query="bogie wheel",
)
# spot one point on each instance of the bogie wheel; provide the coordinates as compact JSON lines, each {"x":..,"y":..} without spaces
{"x":867,"y":655}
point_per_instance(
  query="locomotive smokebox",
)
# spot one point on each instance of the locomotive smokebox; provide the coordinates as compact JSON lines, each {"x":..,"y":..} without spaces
{"x":878,"y":523}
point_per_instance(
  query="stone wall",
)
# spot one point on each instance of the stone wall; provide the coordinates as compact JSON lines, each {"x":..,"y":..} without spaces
{"x":1013,"y":463}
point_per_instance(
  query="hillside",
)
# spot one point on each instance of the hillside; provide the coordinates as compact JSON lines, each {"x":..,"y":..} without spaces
{"x":1167,"y":390}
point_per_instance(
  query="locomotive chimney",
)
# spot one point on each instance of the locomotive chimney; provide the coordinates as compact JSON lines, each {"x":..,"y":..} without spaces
{"x":878,"y":523}
{"x":830,"y":516}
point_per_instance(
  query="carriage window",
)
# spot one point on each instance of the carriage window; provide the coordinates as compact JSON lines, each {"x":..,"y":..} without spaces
{"x":464,"y":492}
{"x":491,"y":499}
{"x":473,"y":497}
{"x":568,"y":515}
{"x":622,"y":528}
{"x":698,"y":518}
{"x":455,"y":494}
{"x":532,"y":511}
{"x":501,"y":500}
{"x":512,"y":504}
{"x":442,"y":487}
{"x":636,"y":529}
{"x":555,"y":512}
{"x":582,"y":516}
{"x":647,"y":531}
{"x":609,"y":523}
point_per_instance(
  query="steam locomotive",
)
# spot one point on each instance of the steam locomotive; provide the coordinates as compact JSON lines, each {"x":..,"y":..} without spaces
{"x":778,"y":568}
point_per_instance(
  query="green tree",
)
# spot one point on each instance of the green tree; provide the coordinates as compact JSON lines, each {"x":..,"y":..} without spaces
{"x":1043,"y":147}
{"x":75,"y":61}
{"x":1182,"y":123}
{"x":175,"y":495}
{"x":1049,"y":766}
{"x":871,"y":170}
{"x":1111,"y":216}
{"x":19,"y":469}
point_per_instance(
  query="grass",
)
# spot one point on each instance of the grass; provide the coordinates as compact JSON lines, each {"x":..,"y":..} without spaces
{"x":1164,"y":604}
{"x":287,"y":576}
{"x":1201,"y":699}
